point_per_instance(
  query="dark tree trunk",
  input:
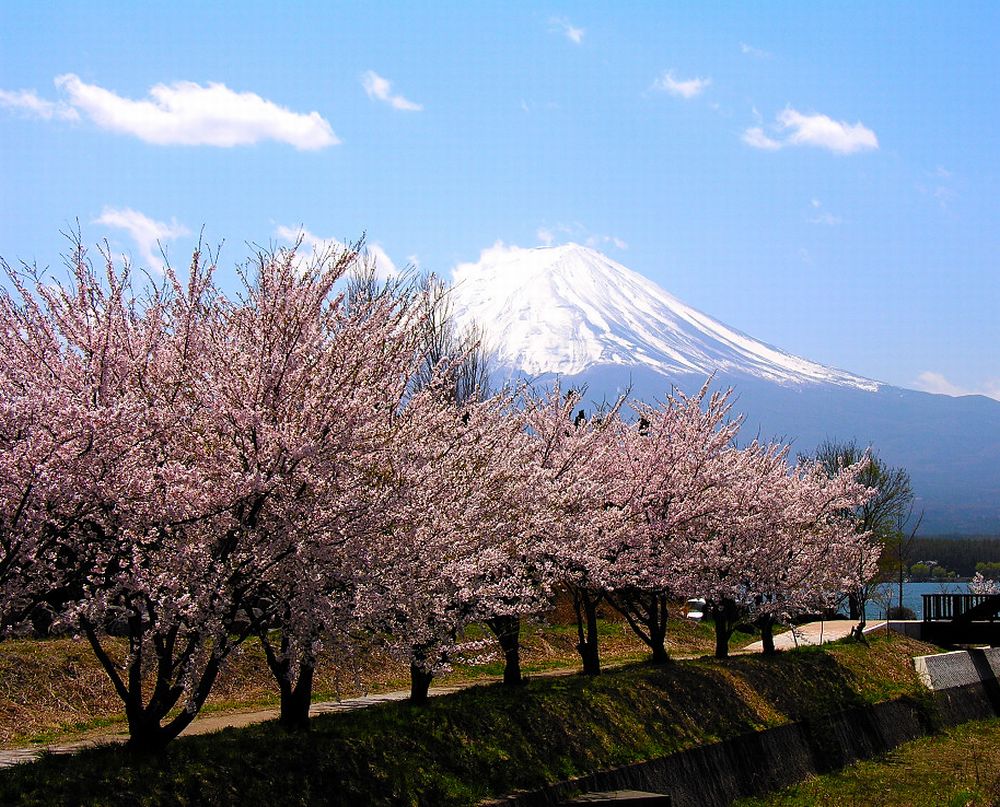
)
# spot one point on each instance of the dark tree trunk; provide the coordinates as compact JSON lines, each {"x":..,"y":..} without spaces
{"x":585,"y":605}
{"x":296,"y":697}
{"x":854,"y":605}
{"x":646,"y":613}
{"x":170,"y":652}
{"x":507,"y":629}
{"x":420,"y":684}
{"x":766,"y":623}
{"x":724,"y":612}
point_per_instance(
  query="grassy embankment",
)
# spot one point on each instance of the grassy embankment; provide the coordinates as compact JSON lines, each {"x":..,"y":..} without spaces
{"x":55,"y":691}
{"x":959,"y":768}
{"x":485,"y":741}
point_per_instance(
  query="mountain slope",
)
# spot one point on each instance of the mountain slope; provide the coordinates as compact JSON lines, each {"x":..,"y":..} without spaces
{"x":565,"y":309}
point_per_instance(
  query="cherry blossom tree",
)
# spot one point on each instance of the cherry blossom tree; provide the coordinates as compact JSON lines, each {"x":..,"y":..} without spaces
{"x":442,"y":561}
{"x":778,"y":541}
{"x":983,"y":585}
{"x":127,"y":487}
{"x":311,"y":374}
{"x":576,"y":525}
{"x":667,"y":479}
{"x":209,"y":450}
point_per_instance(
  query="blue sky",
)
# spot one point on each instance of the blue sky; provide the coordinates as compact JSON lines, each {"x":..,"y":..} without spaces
{"x":822,"y":176}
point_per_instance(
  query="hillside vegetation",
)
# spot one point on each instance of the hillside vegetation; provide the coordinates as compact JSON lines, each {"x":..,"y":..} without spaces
{"x":486,"y":741}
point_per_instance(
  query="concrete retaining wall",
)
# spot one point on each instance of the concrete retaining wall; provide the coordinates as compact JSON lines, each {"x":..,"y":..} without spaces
{"x":755,"y":763}
{"x":965,"y":687}
{"x":957,"y":669}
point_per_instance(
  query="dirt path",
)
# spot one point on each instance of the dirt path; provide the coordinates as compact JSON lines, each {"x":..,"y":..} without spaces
{"x":812,"y":633}
{"x":205,"y":724}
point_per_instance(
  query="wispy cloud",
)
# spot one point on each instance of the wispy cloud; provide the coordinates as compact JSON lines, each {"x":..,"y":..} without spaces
{"x":561,"y":233}
{"x":380,"y":89}
{"x":940,"y":186}
{"x":604,"y":240}
{"x":313,"y":245}
{"x":929,"y":381}
{"x":757,"y":53}
{"x":188,"y":114}
{"x":567,"y":29}
{"x":28,"y":103}
{"x":754,"y":136}
{"x":682,"y":88}
{"x":148,"y":234}
{"x":820,"y":131}
{"x":819,"y":215}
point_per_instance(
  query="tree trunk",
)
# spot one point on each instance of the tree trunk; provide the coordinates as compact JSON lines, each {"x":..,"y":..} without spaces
{"x":766,"y":623}
{"x":147,"y":734}
{"x":721,"y":638}
{"x":296,"y":697}
{"x":585,"y":604}
{"x":296,"y":700}
{"x":724,"y":613}
{"x":854,"y":605}
{"x":646,"y":613}
{"x":420,"y":684}
{"x":507,"y":629}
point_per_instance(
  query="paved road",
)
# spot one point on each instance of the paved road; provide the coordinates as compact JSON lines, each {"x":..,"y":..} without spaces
{"x":814,"y":633}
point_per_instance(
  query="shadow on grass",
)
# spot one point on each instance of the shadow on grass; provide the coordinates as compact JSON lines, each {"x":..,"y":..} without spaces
{"x":459,"y":749}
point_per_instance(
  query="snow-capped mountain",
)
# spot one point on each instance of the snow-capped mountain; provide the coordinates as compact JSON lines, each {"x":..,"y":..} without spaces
{"x":566,"y":309}
{"x":571,"y":311}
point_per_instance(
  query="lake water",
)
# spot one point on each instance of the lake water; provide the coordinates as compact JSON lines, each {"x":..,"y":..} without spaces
{"x":912,"y":593}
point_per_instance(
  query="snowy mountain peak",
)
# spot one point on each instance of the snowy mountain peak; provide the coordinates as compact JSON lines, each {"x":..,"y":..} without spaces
{"x":565,"y":309}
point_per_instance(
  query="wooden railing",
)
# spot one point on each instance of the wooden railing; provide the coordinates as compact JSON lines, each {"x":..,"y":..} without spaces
{"x":960,"y":607}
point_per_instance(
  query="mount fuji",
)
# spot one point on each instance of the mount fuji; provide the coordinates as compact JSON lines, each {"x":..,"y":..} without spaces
{"x":573,"y":313}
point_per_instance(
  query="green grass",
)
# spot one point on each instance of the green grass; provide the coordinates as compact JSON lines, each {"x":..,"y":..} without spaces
{"x":959,"y":768}
{"x":482,"y":742}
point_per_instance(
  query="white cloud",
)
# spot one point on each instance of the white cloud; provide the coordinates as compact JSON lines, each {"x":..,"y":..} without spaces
{"x":570,"y":31}
{"x":147,"y":233}
{"x":545,"y":236}
{"x":824,"y":132}
{"x":754,"y":136}
{"x":313,"y":245}
{"x":820,"y":131}
{"x":380,"y":89}
{"x":189,"y":114}
{"x":27,"y":101}
{"x":757,"y":53}
{"x":682,"y":88}
{"x":929,"y":381}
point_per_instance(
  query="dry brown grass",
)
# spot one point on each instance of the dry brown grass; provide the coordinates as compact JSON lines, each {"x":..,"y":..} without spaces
{"x":54,"y":690}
